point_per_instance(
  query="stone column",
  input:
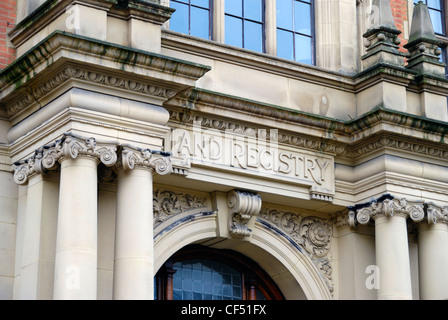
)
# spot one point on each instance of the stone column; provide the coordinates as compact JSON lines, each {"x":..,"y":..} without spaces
{"x":391,"y":244}
{"x":39,"y":239}
{"x":76,"y":241}
{"x":134,"y":250}
{"x":433,"y":254}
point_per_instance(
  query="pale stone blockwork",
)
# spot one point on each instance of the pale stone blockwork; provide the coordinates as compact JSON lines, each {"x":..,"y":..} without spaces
{"x":123,"y":143}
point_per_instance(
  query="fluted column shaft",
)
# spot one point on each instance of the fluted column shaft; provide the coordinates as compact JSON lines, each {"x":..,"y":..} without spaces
{"x":76,"y":244}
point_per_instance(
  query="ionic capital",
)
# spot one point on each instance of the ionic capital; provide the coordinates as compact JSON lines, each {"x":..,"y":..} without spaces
{"x":244,"y":205}
{"x":132,"y":157}
{"x":74,"y":146}
{"x":23,"y":170}
{"x":436,"y":214}
{"x":391,"y":207}
{"x":70,"y":146}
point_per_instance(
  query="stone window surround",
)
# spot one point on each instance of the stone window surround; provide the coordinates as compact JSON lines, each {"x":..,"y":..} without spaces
{"x":337,"y":36}
{"x":269,"y":25}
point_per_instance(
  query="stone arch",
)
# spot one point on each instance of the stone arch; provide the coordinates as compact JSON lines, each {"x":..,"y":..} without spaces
{"x":292,"y":270}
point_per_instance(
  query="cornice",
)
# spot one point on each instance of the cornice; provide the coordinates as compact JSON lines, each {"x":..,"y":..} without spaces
{"x":51,"y":9}
{"x":351,"y":140}
{"x":59,"y":47}
{"x":204,"y":101}
{"x":84,"y":74}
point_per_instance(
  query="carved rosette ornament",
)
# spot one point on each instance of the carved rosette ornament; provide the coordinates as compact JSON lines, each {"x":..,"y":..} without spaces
{"x":132,"y":157}
{"x":316,"y":236}
{"x":311,"y":233}
{"x":70,"y":146}
{"x":244,"y":205}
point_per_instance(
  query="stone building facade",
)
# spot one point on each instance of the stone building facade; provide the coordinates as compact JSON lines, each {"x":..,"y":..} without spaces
{"x":256,"y":153}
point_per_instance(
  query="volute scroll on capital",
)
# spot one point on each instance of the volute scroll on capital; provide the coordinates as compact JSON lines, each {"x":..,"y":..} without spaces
{"x":70,"y":146}
{"x":390,"y":208}
{"x":436,"y":214}
{"x":132,"y":157}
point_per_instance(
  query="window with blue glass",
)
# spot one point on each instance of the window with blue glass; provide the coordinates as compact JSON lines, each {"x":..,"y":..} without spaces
{"x":198,"y":273}
{"x":436,"y":12}
{"x":206,"y":280}
{"x":191,"y":17}
{"x":244,"y":24}
{"x":295,"y":30}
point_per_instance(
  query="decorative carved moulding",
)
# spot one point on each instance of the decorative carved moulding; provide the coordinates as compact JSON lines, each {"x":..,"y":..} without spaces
{"x":110,"y":155}
{"x":388,"y":206}
{"x":84,"y":74}
{"x":244,"y":205}
{"x":39,"y":70}
{"x":168,"y":203}
{"x":311,"y":234}
{"x":132,"y":157}
{"x":436,"y":214}
{"x":70,"y":146}
{"x":430,"y":141}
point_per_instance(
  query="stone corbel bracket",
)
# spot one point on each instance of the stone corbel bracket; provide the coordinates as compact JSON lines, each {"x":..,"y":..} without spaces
{"x":244,"y":205}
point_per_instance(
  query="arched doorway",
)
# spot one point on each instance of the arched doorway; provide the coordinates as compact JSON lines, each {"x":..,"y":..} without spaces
{"x":202,"y":273}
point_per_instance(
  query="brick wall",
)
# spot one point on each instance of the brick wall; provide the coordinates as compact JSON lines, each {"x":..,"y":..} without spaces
{"x":8,"y":10}
{"x":400,"y":12}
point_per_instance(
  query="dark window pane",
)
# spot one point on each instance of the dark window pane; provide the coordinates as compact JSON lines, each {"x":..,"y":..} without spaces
{"x":200,"y":23}
{"x":234,"y":31}
{"x":201,"y":3}
{"x":302,"y":18}
{"x":213,"y":288}
{"x":284,"y":14}
{"x":177,"y":294}
{"x":303,"y":49}
{"x":253,"y":36}
{"x":234,"y":7}
{"x":179,"y":19}
{"x":434,"y":4}
{"x":285,"y":42}
{"x":253,"y":10}
{"x":436,"y":18}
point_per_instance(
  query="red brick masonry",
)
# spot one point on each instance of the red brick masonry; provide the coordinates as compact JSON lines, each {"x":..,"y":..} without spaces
{"x":8,"y":11}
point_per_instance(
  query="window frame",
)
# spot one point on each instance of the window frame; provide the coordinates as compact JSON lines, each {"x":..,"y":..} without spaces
{"x":312,"y":36}
{"x":243,"y":19}
{"x":210,"y":17}
{"x":253,"y":276}
{"x":442,"y":13}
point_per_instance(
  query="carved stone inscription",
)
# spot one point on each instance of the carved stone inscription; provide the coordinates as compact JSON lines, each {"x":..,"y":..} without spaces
{"x":258,"y":154}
